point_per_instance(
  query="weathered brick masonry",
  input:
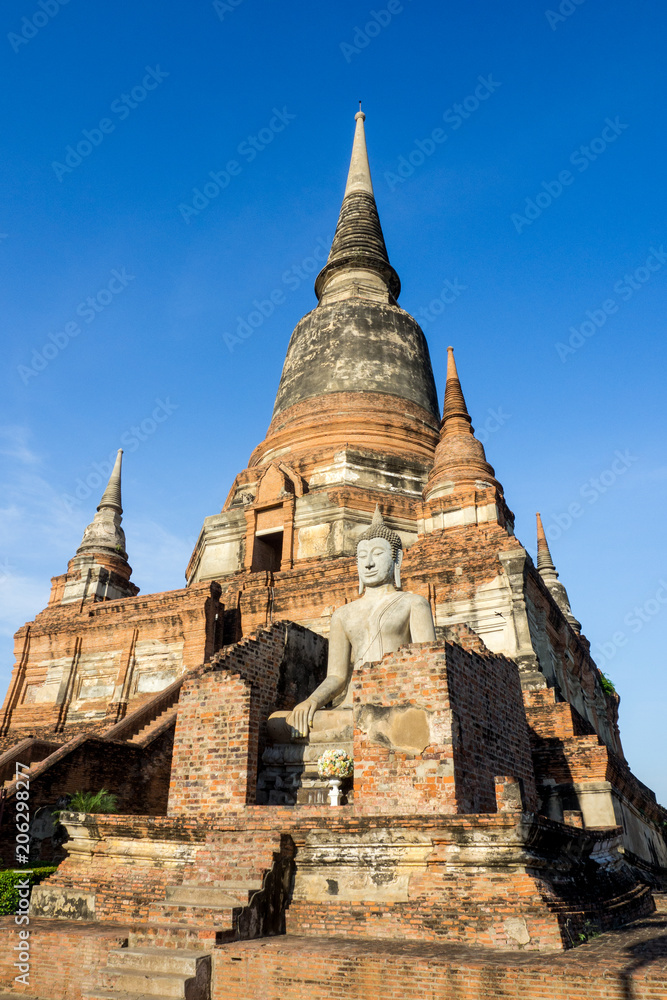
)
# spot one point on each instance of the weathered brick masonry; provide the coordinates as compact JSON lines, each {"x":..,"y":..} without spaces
{"x":627,"y":964}
{"x":500,"y":880}
{"x":139,"y":776}
{"x":62,"y":955}
{"x":223,"y":710}
{"x":630,"y":963}
{"x":83,"y":664}
{"x":467,"y":710}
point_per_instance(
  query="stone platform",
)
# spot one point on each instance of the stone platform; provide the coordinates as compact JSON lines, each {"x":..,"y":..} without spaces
{"x":626,"y":964}
{"x":506,"y":880}
{"x":630,"y":964}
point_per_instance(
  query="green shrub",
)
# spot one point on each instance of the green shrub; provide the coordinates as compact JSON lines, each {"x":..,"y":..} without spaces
{"x":607,"y":685}
{"x":90,"y":802}
{"x":9,"y":879}
{"x":94,"y":802}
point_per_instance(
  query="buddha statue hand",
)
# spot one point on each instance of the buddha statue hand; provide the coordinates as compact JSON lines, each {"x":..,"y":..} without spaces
{"x":300,"y":718}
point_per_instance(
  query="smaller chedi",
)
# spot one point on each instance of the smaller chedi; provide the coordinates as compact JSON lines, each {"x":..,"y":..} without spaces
{"x":381,"y":620}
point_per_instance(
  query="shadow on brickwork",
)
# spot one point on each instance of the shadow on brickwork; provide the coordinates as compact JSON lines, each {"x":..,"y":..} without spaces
{"x":590,"y":886}
{"x":643,"y":954}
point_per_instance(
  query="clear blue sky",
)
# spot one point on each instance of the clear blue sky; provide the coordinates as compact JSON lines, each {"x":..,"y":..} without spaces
{"x":582,"y":93}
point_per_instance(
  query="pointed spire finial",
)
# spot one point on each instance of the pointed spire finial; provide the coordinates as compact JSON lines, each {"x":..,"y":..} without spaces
{"x":459,"y":457}
{"x":105,"y":531}
{"x":111,"y":496}
{"x":99,"y":569}
{"x":358,"y":251}
{"x":454,"y":404}
{"x":547,"y":570}
{"x":544,"y":560}
{"x":359,"y":174}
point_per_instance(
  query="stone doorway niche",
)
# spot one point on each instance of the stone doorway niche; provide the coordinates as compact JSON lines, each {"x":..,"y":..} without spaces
{"x":268,"y":551}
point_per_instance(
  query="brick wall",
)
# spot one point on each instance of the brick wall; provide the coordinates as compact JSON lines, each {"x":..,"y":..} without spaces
{"x":64,"y":955}
{"x":485,"y":697}
{"x":126,"y":882}
{"x":469,"y":880}
{"x":222,"y":709}
{"x":548,"y":718}
{"x":490,"y":910}
{"x":466,"y":708}
{"x":138,"y":776}
{"x":454,"y":564}
{"x":294,"y":969}
{"x":566,"y":750}
{"x":222,"y":715}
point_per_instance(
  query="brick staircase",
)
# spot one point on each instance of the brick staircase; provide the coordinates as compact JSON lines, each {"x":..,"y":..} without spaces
{"x":199,"y":913}
{"x":31,"y":750}
{"x":135,"y":973}
{"x":153,"y":729}
{"x":141,"y":727}
{"x":551,"y":719}
{"x":564,"y":745}
{"x":170,"y":954}
{"x":151,"y":717}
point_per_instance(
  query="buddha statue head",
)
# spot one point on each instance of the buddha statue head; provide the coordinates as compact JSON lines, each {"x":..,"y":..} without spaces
{"x":379,"y":555}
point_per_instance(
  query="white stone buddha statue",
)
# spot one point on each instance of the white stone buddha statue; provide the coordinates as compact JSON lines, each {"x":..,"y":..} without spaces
{"x":382,"y":619}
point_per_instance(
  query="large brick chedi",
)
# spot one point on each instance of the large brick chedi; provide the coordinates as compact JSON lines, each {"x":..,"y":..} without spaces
{"x":491,"y":804}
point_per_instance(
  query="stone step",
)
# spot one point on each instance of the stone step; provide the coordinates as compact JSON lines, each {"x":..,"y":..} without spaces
{"x":220,"y":918}
{"x":184,"y":962}
{"x":232,"y":885}
{"x":238,"y":877}
{"x":116,"y":995}
{"x":150,"y":984}
{"x":173,"y":936}
{"x":254,"y":868}
{"x":660,"y":901}
{"x":233,"y":894}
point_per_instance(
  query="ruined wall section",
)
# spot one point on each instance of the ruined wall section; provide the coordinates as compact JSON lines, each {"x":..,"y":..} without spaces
{"x":435,"y":725}
{"x":480,"y":575}
{"x":566,"y":662}
{"x":580,"y":779}
{"x":85,"y":663}
{"x":223,"y":710}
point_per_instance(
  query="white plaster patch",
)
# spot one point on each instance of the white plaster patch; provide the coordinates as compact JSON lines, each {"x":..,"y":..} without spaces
{"x":95,"y":687}
{"x":313,"y":541}
{"x":488,"y":613}
{"x":516,"y":929}
{"x":47,"y":691}
{"x":157,"y":664}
